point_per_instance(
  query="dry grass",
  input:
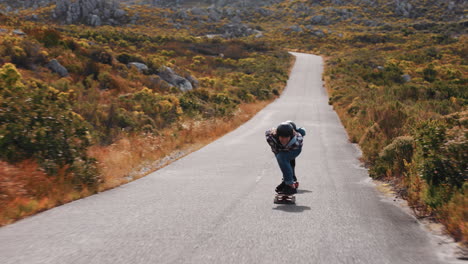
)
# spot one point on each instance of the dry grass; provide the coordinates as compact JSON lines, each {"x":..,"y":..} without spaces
{"x":26,"y":190}
{"x":455,"y":217}
{"x":122,"y":161}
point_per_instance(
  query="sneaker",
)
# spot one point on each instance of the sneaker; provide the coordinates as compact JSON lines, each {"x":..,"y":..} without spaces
{"x":288,"y":190}
{"x":296,"y":184}
{"x":280,"y":187}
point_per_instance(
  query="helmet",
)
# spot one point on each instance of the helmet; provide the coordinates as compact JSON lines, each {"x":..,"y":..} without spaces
{"x":292,"y":124}
{"x":284,"y":130}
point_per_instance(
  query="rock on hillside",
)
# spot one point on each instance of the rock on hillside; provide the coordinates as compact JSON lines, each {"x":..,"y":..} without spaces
{"x":184,"y":84}
{"x":233,"y":3}
{"x":89,"y":12}
{"x":14,"y":4}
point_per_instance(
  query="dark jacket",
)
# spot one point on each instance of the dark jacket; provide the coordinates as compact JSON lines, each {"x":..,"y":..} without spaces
{"x":276,"y":146}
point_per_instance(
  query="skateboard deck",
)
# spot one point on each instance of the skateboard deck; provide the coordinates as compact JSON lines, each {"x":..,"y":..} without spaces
{"x":284,"y":199}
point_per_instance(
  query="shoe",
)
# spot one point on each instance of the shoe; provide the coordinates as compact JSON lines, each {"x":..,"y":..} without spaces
{"x":296,"y":184}
{"x":280,"y":187}
{"x":288,"y":190}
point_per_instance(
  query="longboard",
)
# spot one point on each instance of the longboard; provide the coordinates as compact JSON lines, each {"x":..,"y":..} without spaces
{"x":284,"y":199}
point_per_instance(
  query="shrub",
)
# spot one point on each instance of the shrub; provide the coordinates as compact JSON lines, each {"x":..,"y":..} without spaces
{"x":391,"y":118}
{"x":164,"y":110}
{"x":443,"y":161}
{"x":101,"y":56}
{"x":38,"y":122}
{"x":49,"y":37}
{"x":126,"y":58}
{"x":392,"y":159}
{"x":191,"y":104}
{"x":390,"y":74}
{"x":93,"y":69}
{"x":429,"y":73}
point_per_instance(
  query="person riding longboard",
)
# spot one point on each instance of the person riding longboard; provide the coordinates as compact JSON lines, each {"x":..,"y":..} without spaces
{"x":286,"y":143}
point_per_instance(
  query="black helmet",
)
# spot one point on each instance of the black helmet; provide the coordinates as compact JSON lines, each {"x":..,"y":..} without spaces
{"x":284,"y":130}
{"x":292,"y":124}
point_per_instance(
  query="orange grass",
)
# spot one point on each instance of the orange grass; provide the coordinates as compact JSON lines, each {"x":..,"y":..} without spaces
{"x":26,"y":190}
{"x":455,"y":216}
{"x":122,"y":161}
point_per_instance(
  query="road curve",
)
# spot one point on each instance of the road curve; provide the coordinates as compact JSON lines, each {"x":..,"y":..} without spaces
{"x":216,"y":204}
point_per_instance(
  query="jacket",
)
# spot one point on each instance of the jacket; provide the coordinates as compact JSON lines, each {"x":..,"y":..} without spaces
{"x":276,"y":146}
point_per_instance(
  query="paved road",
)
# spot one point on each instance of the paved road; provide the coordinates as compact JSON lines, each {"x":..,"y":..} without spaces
{"x":216,"y":205}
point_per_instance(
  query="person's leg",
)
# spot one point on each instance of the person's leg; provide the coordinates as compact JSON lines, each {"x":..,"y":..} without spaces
{"x":293,"y":165}
{"x":284,"y":162}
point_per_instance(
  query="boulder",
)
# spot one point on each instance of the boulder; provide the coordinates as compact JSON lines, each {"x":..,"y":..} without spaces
{"x":320,"y":20}
{"x":19,"y":32}
{"x":157,"y":82}
{"x":56,"y":67}
{"x":263,"y":12}
{"x":33,"y":17}
{"x":91,"y":12}
{"x":141,"y":67}
{"x":196,"y":11}
{"x":237,"y":31}
{"x":236,"y":19}
{"x":295,"y":28}
{"x":94,"y":20}
{"x":119,"y":13}
{"x":406,"y":77}
{"x":403,"y":8}
{"x":193,"y":81}
{"x":214,"y":15}
{"x":168,"y":75}
{"x":318,"y":33}
{"x":182,"y":15}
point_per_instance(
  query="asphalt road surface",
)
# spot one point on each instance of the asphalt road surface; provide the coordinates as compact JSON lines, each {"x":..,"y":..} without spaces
{"x":216,"y":204}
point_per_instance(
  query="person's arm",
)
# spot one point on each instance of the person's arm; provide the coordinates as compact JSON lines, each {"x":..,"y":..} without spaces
{"x":270,"y":138}
{"x":302,"y":131}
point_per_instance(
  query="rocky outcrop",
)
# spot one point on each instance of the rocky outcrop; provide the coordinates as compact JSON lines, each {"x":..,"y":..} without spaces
{"x":141,"y":67}
{"x":34,"y":4}
{"x":89,"y":12}
{"x":237,"y":31}
{"x":222,"y":3}
{"x":56,"y":67}
{"x":319,"y":20}
{"x":403,"y":8}
{"x":295,"y":28}
{"x":168,"y":75}
{"x":406,"y":77}
{"x":19,"y":32}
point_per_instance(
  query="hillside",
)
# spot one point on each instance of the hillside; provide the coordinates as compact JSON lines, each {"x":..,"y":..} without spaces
{"x":84,"y":80}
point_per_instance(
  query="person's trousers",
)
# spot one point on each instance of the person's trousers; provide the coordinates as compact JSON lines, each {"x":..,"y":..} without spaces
{"x":293,"y":165}
{"x":284,"y":159}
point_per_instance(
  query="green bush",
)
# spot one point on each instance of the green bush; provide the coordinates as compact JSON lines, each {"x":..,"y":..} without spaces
{"x":101,"y":56}
{"x":38,"y":122}
{"x":393,"y":157}
{"x":49,"y":37}
{"x":389,"y":75}
{"x":161,"y":109}
{"x":429,"y":73}
{"x":444,"y":160}
{"x":126,"y":58}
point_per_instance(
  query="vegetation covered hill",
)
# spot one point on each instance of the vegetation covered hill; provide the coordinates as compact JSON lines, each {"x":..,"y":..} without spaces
{"x":396,"y":72}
